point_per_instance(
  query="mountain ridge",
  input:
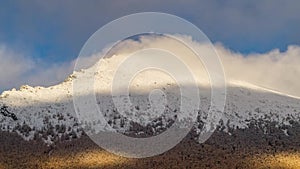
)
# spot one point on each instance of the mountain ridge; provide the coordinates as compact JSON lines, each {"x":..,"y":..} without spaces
{"x":49,"y":113}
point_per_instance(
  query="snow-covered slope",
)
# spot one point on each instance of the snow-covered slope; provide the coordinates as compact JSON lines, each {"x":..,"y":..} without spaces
{"x":48,"y":113}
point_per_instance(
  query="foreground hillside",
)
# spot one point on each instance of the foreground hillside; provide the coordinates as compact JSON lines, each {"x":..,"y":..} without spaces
{"x":48,"y":113}
{"x":244,"y":148}
{"x":259,"y":129}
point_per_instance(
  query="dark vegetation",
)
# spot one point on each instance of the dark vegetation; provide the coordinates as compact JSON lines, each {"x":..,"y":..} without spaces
{"x":4,"y":111}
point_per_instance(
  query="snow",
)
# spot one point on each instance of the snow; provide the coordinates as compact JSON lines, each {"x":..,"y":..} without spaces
{"x":50,"y":110}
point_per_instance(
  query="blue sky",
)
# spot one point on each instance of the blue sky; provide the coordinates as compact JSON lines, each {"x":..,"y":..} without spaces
{"x":51,"y":33}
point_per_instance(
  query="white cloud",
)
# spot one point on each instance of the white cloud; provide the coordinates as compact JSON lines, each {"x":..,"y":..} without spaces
{"x":18,"y":69}
{"x":275,"y":70}
{"x":51,"y":75}
{"x":13,"y":67}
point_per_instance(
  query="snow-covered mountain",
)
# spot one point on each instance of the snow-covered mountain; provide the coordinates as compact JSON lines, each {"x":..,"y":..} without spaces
{"x":48,"y":113}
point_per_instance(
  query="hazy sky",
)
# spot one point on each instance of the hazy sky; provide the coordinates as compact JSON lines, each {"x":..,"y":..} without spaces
{"x":38,"y":39}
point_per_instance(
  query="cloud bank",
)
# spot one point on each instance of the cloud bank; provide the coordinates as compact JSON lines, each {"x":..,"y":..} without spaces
{"x":13,"y":67}
{"x":18,"y":69}
{"x":274,"y":70}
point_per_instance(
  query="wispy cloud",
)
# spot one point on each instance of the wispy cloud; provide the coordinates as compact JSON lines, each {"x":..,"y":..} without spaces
{"x":276,"y":70}
{"x":18,"y":69}
{"x":14,"y":67}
